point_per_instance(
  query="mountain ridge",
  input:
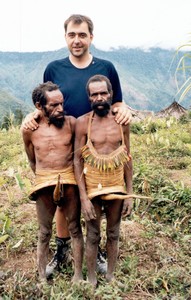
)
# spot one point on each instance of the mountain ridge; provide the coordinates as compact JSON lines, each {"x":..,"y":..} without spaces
{"x":147,"y":77}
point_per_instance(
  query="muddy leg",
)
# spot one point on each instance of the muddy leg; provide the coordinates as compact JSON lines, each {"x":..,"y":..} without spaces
{"x":73,"y":212}
{"x":113,"y":215}
{"x":45,"y":213}
{"x":92,"y":242}
{"x":77,"y":248}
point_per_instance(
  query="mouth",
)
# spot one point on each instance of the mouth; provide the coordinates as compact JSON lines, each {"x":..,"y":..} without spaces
{"x":60,"y":117}
{"x":77,"y":48}
{"x":100,"y":106}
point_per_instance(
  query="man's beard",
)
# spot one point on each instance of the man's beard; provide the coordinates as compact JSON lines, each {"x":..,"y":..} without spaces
{"x":105,"y":108}
{"x":58,"y":122}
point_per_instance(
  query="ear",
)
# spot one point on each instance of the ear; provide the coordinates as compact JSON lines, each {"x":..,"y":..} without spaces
{"x":38,"y":105}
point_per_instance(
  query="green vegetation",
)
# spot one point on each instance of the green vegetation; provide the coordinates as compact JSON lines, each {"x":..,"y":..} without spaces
{"x":12,"y":119}
{"x":10,"y":105}
{"x":183,"y":71}
{"x":154,"y":251}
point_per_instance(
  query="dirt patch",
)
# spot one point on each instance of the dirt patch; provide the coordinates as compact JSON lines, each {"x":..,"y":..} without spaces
{"x":19,"y":259}
{"x":131,"y":230}
{"x":180,"y":175}
{"x":23,"y":262}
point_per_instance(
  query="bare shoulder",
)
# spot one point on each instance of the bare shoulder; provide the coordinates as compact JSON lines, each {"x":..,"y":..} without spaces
{"x":70,"y":121}
{"x":82,"y":122}
{"x":83,"y":118}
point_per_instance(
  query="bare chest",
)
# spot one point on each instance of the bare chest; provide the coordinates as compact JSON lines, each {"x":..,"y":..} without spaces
{"x":52,"y":139}
{"x":105,"y":136}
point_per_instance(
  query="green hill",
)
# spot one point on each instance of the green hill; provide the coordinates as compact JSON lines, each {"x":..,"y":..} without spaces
{"x":147,"y":77}
{"x":9,"y":103}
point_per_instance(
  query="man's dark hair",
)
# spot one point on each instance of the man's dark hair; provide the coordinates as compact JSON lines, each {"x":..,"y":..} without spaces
{"x":39,"y":93}
{"x":78,"y":19}
{"x":99,"y":78}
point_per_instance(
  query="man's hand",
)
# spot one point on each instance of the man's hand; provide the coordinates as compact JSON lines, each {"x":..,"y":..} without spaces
{"x":122,"y":113}
{"x":29,"y":121}
{"x":88,"y":210}
{"x":127,"y":207}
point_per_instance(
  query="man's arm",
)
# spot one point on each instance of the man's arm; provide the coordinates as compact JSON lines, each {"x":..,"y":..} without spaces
{"x":128,"y":174}
{"x":80,"y":140}
{"x":72,"y":125}
{"x":29,"y":148}
{"x":31,"y":120}
{"x":122,"y":113}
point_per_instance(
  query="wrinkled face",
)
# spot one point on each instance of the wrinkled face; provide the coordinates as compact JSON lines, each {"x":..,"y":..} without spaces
{"x":54,"y":108}
{"x":78,"y":38}
{"x":100,"y":98}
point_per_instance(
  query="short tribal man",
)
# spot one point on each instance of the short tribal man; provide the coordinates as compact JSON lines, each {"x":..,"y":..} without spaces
{"x":103,"y":170}
{"x":50,"y":153}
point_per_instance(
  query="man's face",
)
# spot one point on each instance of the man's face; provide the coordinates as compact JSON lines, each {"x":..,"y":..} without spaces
{"x":78,"y":38}
{"x":100,"y":98}
{"x":53,"y":109}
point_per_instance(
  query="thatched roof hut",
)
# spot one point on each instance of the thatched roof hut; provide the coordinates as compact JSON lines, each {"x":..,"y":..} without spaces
{"x":175,"y":110}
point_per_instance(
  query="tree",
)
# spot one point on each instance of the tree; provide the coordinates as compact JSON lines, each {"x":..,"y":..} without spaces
{"x":12,"y":119}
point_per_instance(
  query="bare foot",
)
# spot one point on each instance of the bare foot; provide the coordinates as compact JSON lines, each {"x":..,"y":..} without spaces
{"x":77,"y":278}
{"x":109,"y":277}
{"x":93,"y":281}
{"x":42,"y":283}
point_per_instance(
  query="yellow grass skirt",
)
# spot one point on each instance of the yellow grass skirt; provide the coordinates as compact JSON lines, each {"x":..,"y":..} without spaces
{"x":45,"y":178}
{"x":102,"y":183}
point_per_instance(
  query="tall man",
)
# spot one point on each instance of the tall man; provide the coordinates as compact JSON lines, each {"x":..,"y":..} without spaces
{"x":71,"y":74}
{"x":103,"y":170}
{"x":50,"y":153}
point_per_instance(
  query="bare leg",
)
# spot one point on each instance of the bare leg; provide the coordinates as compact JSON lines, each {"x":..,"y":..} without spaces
{"x":73,"y":212}
{"x":113,"y":214}
{"x":92,"y":242}
{"x":61,"y":223}
{"x":45,"y":213}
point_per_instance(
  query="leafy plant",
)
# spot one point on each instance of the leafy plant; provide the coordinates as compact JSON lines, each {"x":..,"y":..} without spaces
{"x":184,"y":67}
{"x":5,"y":227}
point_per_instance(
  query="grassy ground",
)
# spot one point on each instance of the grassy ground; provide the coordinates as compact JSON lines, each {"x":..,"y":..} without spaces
{"x":154,"y":254}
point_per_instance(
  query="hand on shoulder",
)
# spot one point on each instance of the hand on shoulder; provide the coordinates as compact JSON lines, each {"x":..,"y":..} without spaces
{"x":122,"y":113}
{"x":30,"y":121}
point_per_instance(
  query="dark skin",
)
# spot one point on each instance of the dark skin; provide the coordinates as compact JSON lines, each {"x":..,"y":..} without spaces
{"x":106,"y":137}
{"x":50,"y":147}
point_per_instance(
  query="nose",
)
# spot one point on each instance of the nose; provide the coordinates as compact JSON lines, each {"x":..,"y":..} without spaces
{"x":99,"y":97}
{"x":60,"y":108}
{"x":76,"y":39}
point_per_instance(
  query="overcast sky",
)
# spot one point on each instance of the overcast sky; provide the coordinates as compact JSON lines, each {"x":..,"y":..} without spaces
{"x":37,"y":25}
